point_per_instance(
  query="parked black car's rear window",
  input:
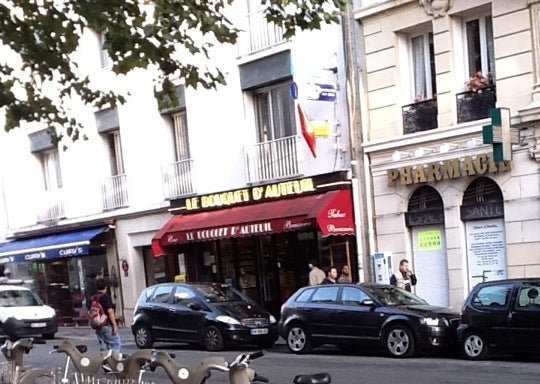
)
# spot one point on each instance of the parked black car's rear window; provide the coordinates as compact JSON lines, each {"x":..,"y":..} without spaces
{"x":325,"y":295}
{"x":393,"y":296}
{"x":304,"y":296}
{"x":493,"y":296}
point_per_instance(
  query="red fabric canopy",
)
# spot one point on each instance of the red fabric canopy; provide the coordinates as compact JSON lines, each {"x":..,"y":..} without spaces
{"x":332,"y":211}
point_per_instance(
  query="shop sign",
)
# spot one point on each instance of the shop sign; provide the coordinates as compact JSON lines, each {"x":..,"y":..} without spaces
{"x":251,"y":195}
{"x":446,"y":169}
{"x":47,"y":254}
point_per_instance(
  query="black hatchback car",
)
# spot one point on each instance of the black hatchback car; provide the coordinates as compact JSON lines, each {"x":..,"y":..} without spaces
{"x":208,"y":314}
{"x":348,"y":315}
{"x":501,"y":315}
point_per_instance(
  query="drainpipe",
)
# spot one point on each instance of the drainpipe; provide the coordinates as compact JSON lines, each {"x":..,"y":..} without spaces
{"x":355,"y":134}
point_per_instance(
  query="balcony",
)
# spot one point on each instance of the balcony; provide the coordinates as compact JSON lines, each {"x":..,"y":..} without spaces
{"x":51,"y":206}
{"x":273,"y":160}
{"x":260,"y":34}
{"x":475,"y":105}
{"x":114,"y":192}
{"x":421,"y":116}
{"x":177,"y":179}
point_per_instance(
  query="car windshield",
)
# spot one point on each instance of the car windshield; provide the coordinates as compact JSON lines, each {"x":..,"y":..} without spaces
{"x":393,"y":296}
{"x":220,"y":293}
{"x":18,"y":298}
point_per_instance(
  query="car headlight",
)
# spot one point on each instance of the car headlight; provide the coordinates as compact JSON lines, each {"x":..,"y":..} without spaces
{"x":272,"y":319}
{"x":227,"y":320}
{"x":432,"y":321}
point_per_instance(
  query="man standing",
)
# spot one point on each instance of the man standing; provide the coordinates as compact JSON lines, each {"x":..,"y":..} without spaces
{"x":345,"y":277}
{"x":404,"y":278}
{"x":316,"y":275}
{"x":107,"y":335}
{"x":331,"y":276}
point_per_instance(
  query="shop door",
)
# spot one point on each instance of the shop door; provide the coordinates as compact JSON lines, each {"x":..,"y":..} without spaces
{"x":268,"y":275}
{"x":430,"y":264}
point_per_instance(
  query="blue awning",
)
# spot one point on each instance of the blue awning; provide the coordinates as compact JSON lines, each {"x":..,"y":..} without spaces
{"x":58,"y":246}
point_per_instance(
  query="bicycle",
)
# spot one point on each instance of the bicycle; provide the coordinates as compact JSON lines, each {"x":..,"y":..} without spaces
{"x":241,"y":373}
{"x":13,"y":371}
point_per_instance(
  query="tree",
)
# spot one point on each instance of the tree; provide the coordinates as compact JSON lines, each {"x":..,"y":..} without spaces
{"x":38,"y":39}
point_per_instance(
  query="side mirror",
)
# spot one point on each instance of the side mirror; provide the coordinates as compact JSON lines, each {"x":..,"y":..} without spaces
{"x":194,"y":306}
{"x":368,"y":303}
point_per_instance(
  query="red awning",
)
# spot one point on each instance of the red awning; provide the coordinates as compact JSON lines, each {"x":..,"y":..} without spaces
{"x":332,"y":211}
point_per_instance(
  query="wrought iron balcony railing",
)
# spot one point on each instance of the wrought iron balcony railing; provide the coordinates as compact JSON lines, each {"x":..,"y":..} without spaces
{"x":475,"y":105}
{"x":51,"y":206}
{"x":420,"y":116}
{"x":114,"y":192}
{"x":177,"y":180}
{"x":272,"y":160}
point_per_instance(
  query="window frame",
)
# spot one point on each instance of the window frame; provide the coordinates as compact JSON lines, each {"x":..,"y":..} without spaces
{"x":429,"y":70}
{"x":51,"y":169}
{"x":485,"y":50}
{"x":180,"y":136}
{"x":274,"y":132}
{"x":113,"y":141}
{"x":104,"y":57}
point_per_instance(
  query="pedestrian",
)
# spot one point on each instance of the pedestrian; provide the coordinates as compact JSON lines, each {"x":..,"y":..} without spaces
{"x":107,"y":334}
{"x":316,"y":275}
{"x":331,"y":276}
{"x":404,"y":278}
{"x":345,"y":277}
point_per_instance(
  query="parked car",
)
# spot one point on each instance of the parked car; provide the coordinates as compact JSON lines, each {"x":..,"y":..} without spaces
{"x":208,"y":314}
{"x":501,"y":315}
{"x":22,"y":314}
{"x":348,"y":315}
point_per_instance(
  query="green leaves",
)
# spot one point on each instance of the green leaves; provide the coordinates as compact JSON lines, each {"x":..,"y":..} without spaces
{"x":40,"y":80}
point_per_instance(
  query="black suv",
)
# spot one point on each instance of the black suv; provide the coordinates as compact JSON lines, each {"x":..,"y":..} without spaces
{"x":348,"y":315}
{"x":501,"y":315}
{"x":207,"y":314}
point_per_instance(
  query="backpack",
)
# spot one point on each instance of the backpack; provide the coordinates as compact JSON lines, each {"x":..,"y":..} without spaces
{"x":96,"y":314}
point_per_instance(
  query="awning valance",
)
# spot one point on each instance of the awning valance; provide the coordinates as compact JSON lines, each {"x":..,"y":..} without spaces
{"x":332,"y":212}
{"x":57,"y":246}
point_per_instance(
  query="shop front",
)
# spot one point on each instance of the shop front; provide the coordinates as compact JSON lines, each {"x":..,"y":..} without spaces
{"x":260,"y":239}
{"x":62,"y":268}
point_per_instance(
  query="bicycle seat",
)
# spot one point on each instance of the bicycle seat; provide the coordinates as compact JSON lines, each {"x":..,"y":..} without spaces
{"x":316,"y":378}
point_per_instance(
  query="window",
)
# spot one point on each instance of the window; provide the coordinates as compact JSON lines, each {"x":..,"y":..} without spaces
{"x":304,"y":296}
{"x":162,"y":294}
{"x":494,"y":296}
{"x":275,"y":112}
{"x":180,"y":136}
{"x":106,"y":61}
{"x":528,"y":298}
{"x":52,"y":175}
{"x":114,"y":146}
{"x":325,"y":295}
{"x":479,"y":47}
{"x":183,"y":296}
{"x":423,"y":66}
{"x":353,"y":296}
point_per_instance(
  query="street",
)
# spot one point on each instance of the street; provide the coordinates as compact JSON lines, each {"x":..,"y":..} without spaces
{"x":280,"y":366}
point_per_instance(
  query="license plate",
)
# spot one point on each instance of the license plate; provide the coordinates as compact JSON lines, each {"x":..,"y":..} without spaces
{"x":259,"y":331}
{"x":38,"y":325}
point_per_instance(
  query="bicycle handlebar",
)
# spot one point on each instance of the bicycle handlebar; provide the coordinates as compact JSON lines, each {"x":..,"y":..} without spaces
{"x":256,"y":355}
{"x":260,"y":379}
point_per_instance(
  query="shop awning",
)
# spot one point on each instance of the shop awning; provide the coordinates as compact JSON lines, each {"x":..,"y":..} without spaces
{"x":332,"y":212}
{"x":62,"y":245}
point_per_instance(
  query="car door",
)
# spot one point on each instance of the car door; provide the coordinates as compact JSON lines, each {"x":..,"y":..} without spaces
{"x":489,"y":312}
{"x":187,"y":314}
{"x":354,"y":320}
{"x":157,"y":309}
{"x":322,"y":308}
{"x":524,"y":318}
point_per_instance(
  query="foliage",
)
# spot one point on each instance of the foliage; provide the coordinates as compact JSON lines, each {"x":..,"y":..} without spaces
{"x":39,"y":78}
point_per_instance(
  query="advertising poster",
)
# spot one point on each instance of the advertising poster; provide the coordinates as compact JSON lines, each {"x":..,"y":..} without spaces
{"x":486,"y":251}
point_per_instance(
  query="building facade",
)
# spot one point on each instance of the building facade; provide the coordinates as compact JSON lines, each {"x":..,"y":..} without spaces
{"x":279,"y":125}
{"x":439,"y":193}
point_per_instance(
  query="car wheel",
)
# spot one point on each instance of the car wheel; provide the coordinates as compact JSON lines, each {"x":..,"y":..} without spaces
{"x":48,"y":336}
{"x":474,"y":346}
{"x":143,"y":336}
{"x":298,"y":339}
{"x":212,"y":339}
{"x":399,"y":341}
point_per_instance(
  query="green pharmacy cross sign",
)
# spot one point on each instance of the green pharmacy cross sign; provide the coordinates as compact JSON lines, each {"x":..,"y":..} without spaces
{"x":500,"y":134}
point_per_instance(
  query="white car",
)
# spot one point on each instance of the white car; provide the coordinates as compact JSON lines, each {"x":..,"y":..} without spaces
{"x":22,"y":313}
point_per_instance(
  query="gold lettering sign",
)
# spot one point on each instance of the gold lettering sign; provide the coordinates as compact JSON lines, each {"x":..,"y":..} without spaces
{"x":447,"y":169}
{"x":249,"y":195}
